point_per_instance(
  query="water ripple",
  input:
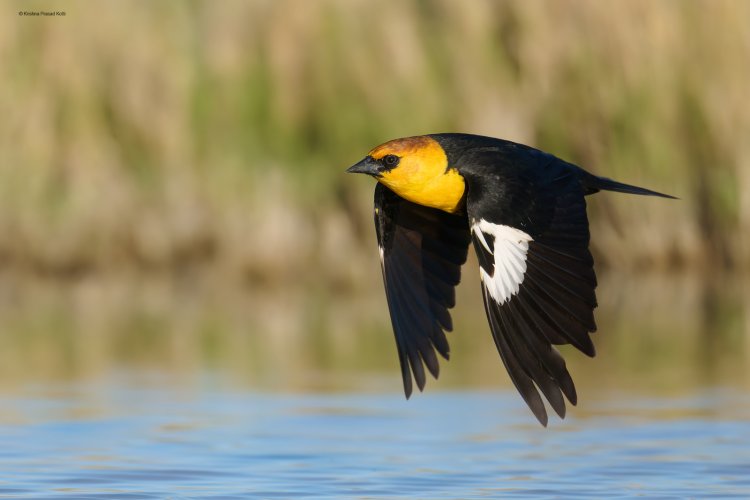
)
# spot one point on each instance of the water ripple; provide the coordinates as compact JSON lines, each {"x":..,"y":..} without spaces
{"x":149,"y":444}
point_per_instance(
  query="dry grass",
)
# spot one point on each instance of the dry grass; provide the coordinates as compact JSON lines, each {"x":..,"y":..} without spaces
{"x":213,"y":135}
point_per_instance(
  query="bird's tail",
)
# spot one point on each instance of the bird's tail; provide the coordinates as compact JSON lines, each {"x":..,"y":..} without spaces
{"x":595,"y":183}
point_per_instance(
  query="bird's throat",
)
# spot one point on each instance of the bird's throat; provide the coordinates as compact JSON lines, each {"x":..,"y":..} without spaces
{"x":444,"y":192}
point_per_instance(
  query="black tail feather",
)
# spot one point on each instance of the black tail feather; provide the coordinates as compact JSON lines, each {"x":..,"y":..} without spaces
{"x":594,"y":184}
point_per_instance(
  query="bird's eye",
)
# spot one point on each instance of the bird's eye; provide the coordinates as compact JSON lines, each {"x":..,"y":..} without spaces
{"x":390,"y":161}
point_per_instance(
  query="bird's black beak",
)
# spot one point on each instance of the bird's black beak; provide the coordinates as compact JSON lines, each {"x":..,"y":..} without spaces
{"x":367,"y":166}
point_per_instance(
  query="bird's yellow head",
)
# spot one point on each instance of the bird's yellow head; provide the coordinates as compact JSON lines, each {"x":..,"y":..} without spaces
{"x":416,"y":169}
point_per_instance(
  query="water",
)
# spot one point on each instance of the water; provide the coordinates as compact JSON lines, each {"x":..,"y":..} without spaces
{"x":161,"y":391}
{"x":122,"y":439}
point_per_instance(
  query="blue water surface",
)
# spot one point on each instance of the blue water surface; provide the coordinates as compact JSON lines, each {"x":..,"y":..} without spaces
{"x":119,"y":441}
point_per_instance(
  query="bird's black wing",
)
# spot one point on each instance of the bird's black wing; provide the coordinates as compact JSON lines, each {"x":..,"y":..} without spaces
{"x":421,"y":253}
{"x":531,"y":236}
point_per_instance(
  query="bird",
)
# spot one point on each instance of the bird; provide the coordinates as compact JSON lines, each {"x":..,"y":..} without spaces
{"x":524,"y":212}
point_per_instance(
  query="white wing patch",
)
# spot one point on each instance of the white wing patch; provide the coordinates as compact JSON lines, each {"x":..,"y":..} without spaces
{"x":510,"y":247}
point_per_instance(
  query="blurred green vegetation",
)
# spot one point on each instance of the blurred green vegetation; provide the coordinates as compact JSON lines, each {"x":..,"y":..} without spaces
{"x":206,"y":142}
{"x":165,"y":137}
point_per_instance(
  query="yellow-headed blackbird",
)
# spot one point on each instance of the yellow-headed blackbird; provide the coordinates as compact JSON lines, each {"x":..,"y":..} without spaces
{"x":525,"y":212}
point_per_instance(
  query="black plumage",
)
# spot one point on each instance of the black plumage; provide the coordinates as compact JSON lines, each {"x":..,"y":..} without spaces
{"x":422,"y":251}
{"x":525,"y":211}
